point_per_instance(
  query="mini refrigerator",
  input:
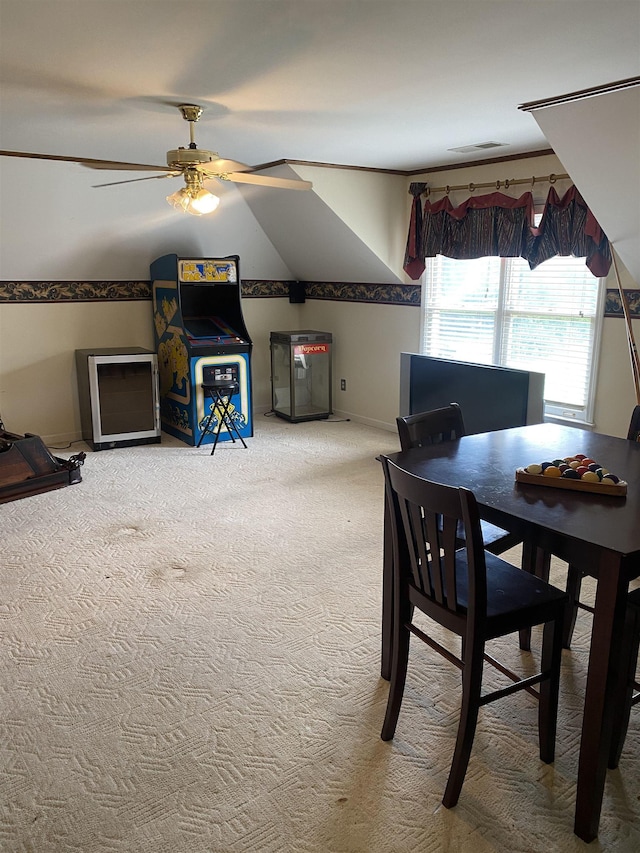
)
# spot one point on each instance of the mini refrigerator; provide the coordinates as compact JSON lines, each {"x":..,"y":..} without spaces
{"x":301,"y":375}
{"x":118,"y":396}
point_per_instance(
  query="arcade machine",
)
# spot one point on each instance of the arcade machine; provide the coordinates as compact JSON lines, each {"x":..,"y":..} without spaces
{"x":200,"y":338}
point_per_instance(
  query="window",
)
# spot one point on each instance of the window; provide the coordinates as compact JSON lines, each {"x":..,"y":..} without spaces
{"x":498,"y":311}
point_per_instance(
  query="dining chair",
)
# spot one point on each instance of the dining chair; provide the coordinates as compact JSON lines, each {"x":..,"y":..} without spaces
{"x":574,"y":573}
{"x":472,"y":593}
{"x":431,"y":427}
{"x":634,"y":426}
{"x":447,"y":424}
{"x":627,"y":690}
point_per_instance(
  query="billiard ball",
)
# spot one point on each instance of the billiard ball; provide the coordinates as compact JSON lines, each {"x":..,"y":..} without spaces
{"x":534,"y":468}
{"x":552,"y":471}
{"x":570,"y":474}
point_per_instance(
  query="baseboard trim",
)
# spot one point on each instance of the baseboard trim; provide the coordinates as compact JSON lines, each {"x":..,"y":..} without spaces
{"x":359,"y":419}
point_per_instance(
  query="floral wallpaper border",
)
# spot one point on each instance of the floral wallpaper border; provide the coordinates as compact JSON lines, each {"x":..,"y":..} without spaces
{"x":379,"y":294}
{"x":260,"y":288}
{"x":102,"y":291}
{"x":110,"y":291}
{"x":613,"y":303}
{"x":73,"y":291}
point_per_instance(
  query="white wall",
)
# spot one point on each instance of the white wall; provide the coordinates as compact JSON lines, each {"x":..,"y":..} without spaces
{"x":57,"y":227}
{"x":118,"y":238}
{"x":615,"y":394}
{"x":38,"y":387}
{"x":370,"y":338}
{"x":262,"y":317}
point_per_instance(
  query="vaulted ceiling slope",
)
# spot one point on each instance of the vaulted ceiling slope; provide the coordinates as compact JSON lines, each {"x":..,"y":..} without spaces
{"x":351,"y":227}
{"x":598,"y":140}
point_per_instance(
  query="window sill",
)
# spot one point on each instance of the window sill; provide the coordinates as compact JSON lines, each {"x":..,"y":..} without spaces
{"x":557,"y":419}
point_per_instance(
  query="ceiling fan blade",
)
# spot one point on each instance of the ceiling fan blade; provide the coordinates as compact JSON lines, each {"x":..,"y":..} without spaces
{"x":89,"y":162}
{"x":268,"y":181}
{"x":123,"y":167}
{"x":135,"y":180}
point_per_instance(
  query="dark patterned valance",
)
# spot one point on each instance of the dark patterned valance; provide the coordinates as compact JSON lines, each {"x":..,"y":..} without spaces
{"x":413,"y":257}
{"x":567,"y":228}
{"x":497,"y":225}
{"x":493,"y":224}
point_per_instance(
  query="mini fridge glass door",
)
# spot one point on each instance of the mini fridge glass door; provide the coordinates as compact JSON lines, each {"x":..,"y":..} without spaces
{"x":124,"y":397}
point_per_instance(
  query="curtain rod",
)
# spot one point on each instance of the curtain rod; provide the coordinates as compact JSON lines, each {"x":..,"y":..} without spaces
{"x":550,"y":179}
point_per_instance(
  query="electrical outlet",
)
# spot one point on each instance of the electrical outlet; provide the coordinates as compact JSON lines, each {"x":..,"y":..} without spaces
{"x":343,"y":384}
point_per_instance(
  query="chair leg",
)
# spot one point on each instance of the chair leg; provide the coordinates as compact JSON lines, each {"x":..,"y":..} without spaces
{"x":574,"y":583}
{"x":624,"y":687}
{"x":231,"y":427}
{"x":471,"y":690}
{"x":537,"y":562}
{"x":400,"y":660}
{"x":205,"y":428}
{"x":549,"y":688}
{"x":227,"y":421}
{"x":528,"y":565}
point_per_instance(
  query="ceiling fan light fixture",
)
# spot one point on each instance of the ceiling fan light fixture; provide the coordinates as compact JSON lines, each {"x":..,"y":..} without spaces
{"x":204,"y":202}
{"x":193,"y":198}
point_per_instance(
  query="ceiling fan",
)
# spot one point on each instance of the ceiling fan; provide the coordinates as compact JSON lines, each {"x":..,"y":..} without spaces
{"x":196,"y":165}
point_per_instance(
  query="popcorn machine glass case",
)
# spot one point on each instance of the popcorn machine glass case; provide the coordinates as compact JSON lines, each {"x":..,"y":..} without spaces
{"x":301,"y":375}
{"x":200,"y":337}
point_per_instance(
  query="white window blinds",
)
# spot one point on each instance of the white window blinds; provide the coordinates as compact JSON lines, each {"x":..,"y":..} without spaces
{"x":498,"y":311}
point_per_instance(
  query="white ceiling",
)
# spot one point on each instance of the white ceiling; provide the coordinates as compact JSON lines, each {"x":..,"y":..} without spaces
{"x":392,"y":85}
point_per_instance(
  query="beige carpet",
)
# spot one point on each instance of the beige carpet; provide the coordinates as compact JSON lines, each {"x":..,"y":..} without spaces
{"x":190,"y":663}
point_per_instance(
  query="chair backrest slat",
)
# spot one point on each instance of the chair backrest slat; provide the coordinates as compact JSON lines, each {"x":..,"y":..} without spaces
{"x":450,"y":529}
{"x":432,"y":543}
{"x":418,"y":546}
{"x":425,"y":519}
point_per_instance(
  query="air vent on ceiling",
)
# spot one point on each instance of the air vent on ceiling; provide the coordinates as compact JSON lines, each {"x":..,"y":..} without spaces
{"x":480,"y":146}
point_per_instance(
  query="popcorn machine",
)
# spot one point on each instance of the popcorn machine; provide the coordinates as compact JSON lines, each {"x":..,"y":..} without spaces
{"x":301,"y":375}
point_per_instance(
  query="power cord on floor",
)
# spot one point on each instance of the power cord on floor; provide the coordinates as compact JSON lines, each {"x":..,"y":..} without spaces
{"x":65,"y":446}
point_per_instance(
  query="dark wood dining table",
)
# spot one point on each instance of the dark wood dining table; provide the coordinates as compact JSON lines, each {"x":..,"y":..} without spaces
{"x":600,"y":533}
